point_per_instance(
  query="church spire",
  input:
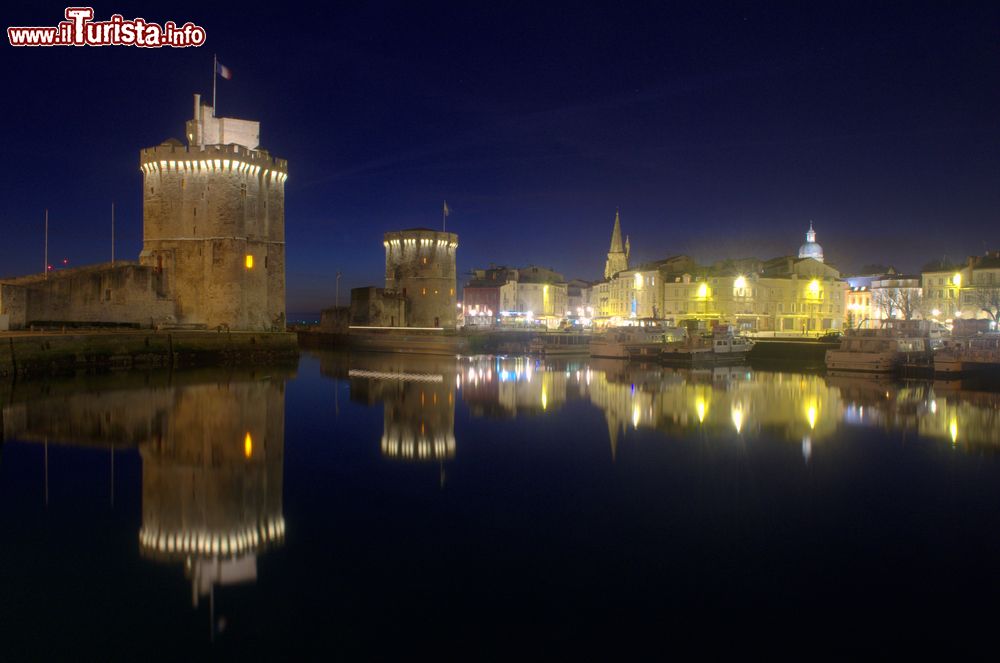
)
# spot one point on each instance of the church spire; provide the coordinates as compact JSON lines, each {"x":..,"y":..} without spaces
{"x":617,"y":255}
{"x":616,"y":235}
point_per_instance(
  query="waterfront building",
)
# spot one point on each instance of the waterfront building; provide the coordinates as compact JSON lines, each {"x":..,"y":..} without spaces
{"x":858,"y":302}
{"x":534,"y":294}
{"x":968,"y":291}
{"x":481,"y":295}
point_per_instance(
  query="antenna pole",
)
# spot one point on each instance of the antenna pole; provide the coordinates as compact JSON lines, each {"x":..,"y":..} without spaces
{"x":46,"y":268}
{"x":112,"y":233}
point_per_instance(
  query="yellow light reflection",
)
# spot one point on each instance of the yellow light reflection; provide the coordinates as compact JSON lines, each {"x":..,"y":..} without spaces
{"x":545,"y":398}
{"x":700,"y":407}
{"x":953,"y":429}
{"x":248,"y":445}
{"x":737,"y":413}
{"x":635,"y":416}
{"x":811,"y":414}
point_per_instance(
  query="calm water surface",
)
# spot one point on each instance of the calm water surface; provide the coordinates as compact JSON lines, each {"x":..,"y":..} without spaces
{"x":382,"y":505}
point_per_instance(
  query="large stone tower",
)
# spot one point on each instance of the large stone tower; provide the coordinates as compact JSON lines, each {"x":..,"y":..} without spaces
{"x":214,"y":223}
{"x":420,"y":265}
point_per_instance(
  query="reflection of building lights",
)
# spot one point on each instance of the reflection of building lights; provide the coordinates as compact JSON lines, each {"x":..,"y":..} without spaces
{"x":545,"y":398}
{"x":635,"y":416}
{"x":737,"y":413}
{"x":248,"y":445}
{"x":807,"y":448}
{"x":700,"y":408}
{"x":953,"y":429}
{"x":811,"y":414}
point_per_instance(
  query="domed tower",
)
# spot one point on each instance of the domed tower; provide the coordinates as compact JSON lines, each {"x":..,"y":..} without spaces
{"x":214,"y":223}
{"x":420,"y":265}
{"x":811,"y":249}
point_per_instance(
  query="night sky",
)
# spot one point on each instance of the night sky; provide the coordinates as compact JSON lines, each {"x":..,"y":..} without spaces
{"x":719,"y":129}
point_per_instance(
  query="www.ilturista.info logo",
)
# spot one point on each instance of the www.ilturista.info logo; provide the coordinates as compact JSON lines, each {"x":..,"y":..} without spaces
{"x":79,"y":29}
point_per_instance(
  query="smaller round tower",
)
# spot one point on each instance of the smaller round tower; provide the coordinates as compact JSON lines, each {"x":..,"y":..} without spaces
{"x":420,"y":265}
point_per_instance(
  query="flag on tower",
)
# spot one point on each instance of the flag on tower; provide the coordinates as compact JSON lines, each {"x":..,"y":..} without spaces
{"x":446,"y":210}
{"x":223,"y":71}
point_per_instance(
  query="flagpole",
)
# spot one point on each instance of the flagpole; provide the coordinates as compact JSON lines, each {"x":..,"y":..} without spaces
{"x":112,"y":233}
{"x":46,"y":270}
{"x":215,"y":74}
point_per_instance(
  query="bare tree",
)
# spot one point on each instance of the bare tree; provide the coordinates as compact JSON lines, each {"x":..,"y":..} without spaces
{"x":909,"y":302}
{"x":893,"y":303}
{"x":988,"y":299}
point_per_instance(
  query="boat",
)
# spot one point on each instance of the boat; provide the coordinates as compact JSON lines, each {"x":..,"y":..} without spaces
{"x":968,"y":355}
{"x":722,"y":346}
{"x":560,"y":343}
{"x":887,"y":350}
{"x":634,"y":342}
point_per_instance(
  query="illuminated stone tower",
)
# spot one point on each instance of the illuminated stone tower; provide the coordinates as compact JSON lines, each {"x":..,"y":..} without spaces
{"x":617,"y":254}
{"x":420,"y":265}
{"x":214,"y":223}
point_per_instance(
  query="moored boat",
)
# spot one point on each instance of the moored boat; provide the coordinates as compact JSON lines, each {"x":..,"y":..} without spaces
{"x":884,"y":350}
{"x":722,"y":346}
{"x":968,"y":355}
{"x":634,"y":342}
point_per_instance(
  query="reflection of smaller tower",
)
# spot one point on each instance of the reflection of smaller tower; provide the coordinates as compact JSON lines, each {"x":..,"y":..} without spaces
{"x":419,"y":415}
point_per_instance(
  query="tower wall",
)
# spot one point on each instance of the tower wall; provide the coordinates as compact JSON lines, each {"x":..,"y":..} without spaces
{"x":420,"y":265}
{"x":205,"y":210}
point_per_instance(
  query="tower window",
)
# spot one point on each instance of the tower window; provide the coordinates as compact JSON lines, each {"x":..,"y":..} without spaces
{"x":243,"y":190}
{"x":423,"y":291}
{"x":425,"y":260}
{"x":249,"y":261}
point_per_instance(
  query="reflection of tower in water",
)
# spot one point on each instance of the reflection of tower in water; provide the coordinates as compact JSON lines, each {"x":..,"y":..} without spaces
{"x":419,"y":418}
{"x":212,"y":482}
{"x":418,"y":400}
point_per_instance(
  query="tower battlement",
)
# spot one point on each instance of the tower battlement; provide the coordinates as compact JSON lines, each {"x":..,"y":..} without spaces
{"x":175,"y":157}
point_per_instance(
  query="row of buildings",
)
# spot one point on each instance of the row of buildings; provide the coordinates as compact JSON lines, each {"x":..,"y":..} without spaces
{"x":796,"y":294}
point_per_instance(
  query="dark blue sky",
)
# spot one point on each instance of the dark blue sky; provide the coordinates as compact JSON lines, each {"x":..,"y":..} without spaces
{"x":720,"y":129}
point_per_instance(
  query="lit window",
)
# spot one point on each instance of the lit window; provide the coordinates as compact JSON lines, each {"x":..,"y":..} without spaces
{"x":249,"y":261}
